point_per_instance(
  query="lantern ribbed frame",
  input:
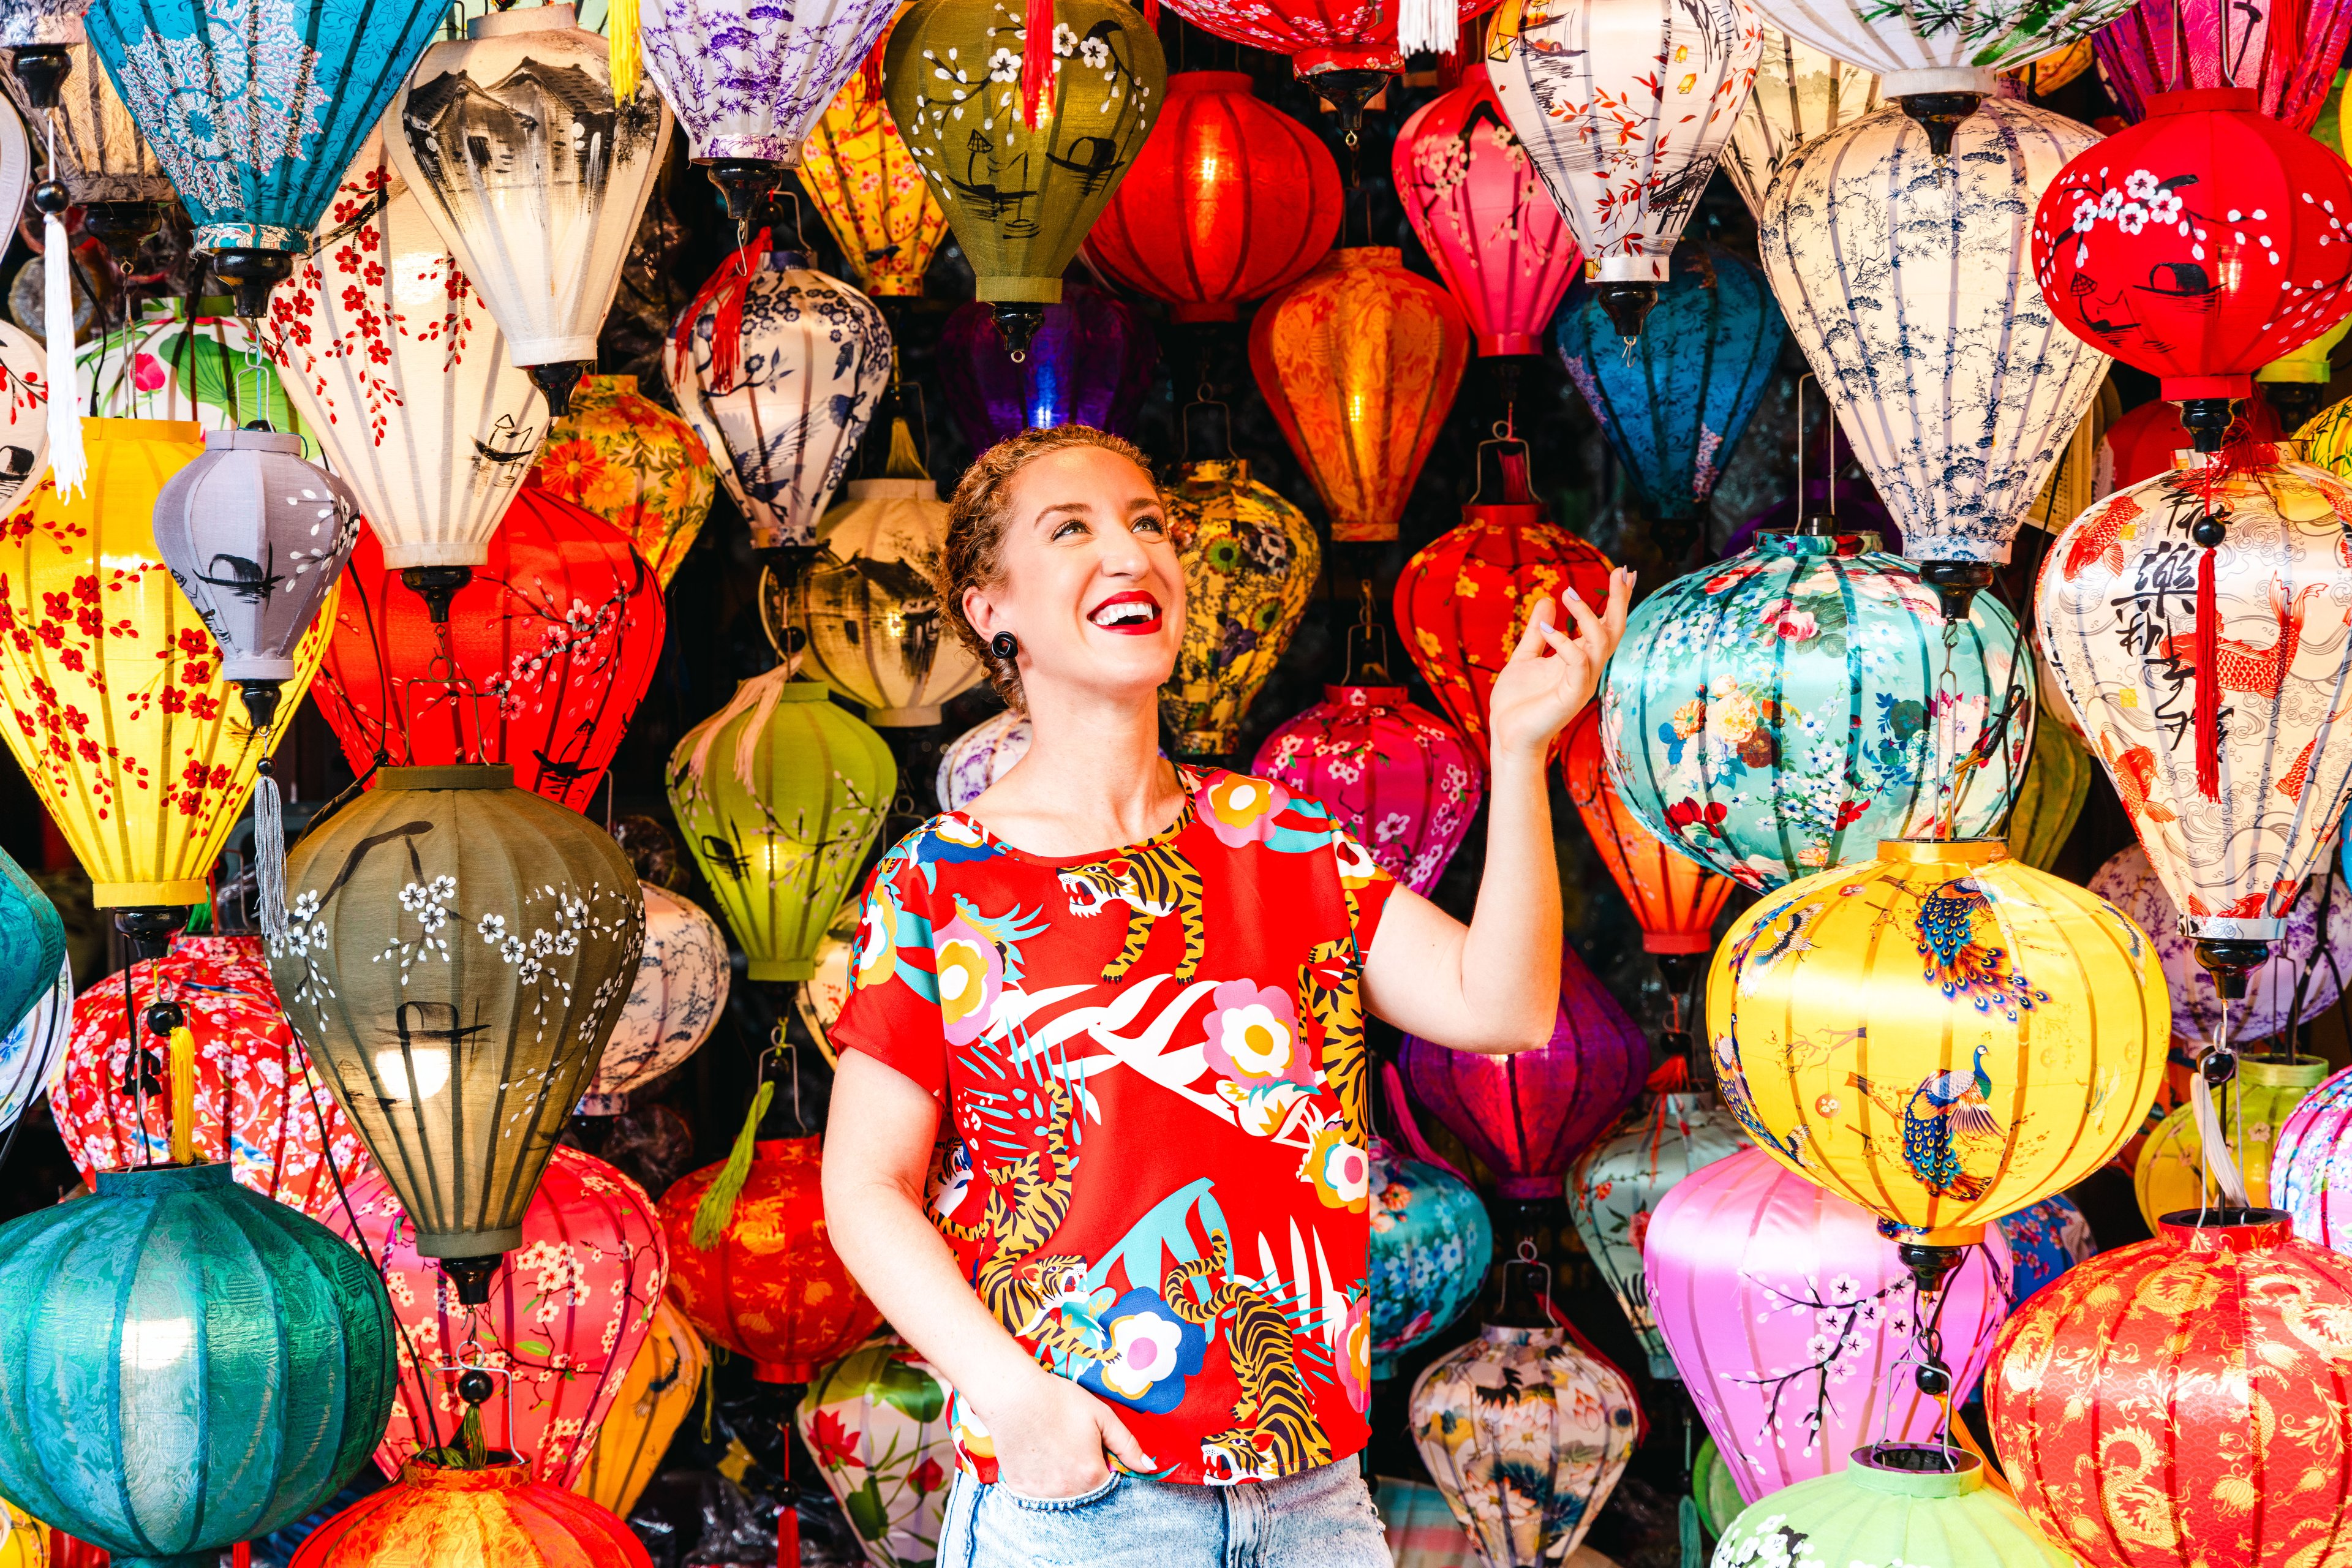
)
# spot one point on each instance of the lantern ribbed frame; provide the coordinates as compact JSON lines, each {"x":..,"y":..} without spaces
{"x":2050,"y":798}
{"x":32,"y":951}
{"x":102,"y":156}
{"x":2169,"y":1175}
{"x":1319,"y":36}
{"x":2311,"y":1164}
{"x":498,"y":1516}
{"x":1799,"y":93}
{"x":663,"y":1386}
{"x":2285,"y":50}
{"x":1676,"y":900}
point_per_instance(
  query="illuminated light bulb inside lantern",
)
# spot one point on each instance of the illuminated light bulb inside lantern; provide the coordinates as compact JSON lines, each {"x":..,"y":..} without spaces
{"x":150,"y":1346}
{"x":432,"y":1071}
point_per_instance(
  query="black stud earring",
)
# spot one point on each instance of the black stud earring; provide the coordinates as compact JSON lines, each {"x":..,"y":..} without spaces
{"x":1005,"y":645}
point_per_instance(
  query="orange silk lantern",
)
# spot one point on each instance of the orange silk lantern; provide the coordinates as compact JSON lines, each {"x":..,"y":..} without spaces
{"x":496,"y":1516}
{"x":1360,"y":360}
{"x":639,"y":466}
{"x":1675,"y":899}
{"x":856,"y":166}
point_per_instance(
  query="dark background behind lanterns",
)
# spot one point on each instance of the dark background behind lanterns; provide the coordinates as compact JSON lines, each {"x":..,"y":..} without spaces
{"x":716,"y":1502}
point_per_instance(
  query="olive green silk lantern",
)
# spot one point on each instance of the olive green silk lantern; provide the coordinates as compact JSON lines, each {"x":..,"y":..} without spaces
{"x":459,"y":954}
{"x":2050,"y":801}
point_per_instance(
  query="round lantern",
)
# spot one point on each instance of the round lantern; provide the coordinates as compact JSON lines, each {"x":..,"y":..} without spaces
{"x":1869,"y":232}
{"x":496,"y":1517}
{"x":1674,"y":898}
{"x":2326,"y":441}
{"x":778,"y":368}
{"x":563,"y":1324}
{"x":769,"y":1286}
{"x":855,"y":166}
{"x":1463,"y":600}
{"x":1474,"y":198}
{"x":1675,"y":403}
{"x":1401,"y":778}
{"x":2180,"y":1401}
{"x":979,"y":756}
{"x":673,"y":1005}
{"x":461,"y":950}
{"x":183,"y":1364}
{"x":820,"y":998}
{"x":1624,"y":110}
{"x":556,"y":633}
{"x":2311,"y":1163}
{"x":1893,"y":1505}
{"x":1022,"y":154}
{"x":2010,"y":1025}
{"x":32,"y":948}
{"x":123,"y":720}
{"x":260,"y":1109}
{"x":661,"y":1390}
{"x":1526,"y":1116}
{"x":1228,"y":200}
{"x":1089,"y":362}
{"x":2050,"y":799}
{"x":2286,"y":55}
{"x":1360,"y":360}
{"x":1745,"y":726}
{"x":1616,"y":1185}
{"x":1345,"y":51}
{"x":31,"y":1052}
{"x":2044,"y":1241}
{"x":1799,"y":93}
{"x":1793,"y":1320}
{"x":2295,"y":383}
{"x":633,"y":463}
{"x":779,"y":794}
{"x":1431,"y":1245}
{"x":2169,"y":1175}
{"x":1251,"y":560}
{"x":1526,"y":1431}
{"x":171,"y":365}
{"x":877,"y":1421}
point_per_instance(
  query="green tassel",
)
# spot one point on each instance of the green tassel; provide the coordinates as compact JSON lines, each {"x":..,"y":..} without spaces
{"x":718,"y":1204}
{"x":1694,"y":1546}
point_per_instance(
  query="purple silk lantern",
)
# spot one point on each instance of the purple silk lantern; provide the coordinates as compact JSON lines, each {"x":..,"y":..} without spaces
{"x":1792,"y":1319}
{"x":1528,"y":1116}
{"x":1090,"y":364}
{"x":2286,"y":53}
{"x":1404,"y":779}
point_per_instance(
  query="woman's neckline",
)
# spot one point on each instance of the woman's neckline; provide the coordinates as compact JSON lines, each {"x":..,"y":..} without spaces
{"x":1190,"y":780}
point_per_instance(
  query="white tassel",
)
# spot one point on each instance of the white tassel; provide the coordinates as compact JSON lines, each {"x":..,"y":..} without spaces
{"x":1431,"y":24}
{"x":270,"y":854}
{"x":66,"y":461}
{"x":2220,"y":1164}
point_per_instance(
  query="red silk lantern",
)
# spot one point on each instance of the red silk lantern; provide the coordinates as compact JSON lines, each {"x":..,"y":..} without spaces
{"x":1674,"y":898}
{"x":2179,"y":1402}
{"x":2198,"y":245}
{"x":1229,"y":200}
{"x":2286,"y":51}
{"x":1355,"y":38}
{"x":559,"y":631}
{"x":496,"y":1516}
{"x":260,"y":1108}
{"x":2140,"y":444}
{"x":1403,"y":779}
{"x":568,"y":1309}
{"x":1483,"y":214}
{"x":770,"y":1286}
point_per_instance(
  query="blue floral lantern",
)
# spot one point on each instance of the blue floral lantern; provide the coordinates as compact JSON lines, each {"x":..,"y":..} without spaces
{"x":1780,"y":712}
{"x":255,"y":109}
{"x":1431,"y":1245}
{"x":184,"y":1365}
{"x":2044,"y":1241}
{"x":32,"y":945}
{"x":1674,"y":402}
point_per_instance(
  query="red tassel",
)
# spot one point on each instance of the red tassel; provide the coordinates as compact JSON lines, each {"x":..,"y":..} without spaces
{"x":869,"y":76}
{"x":788,"y":1518}
{"x":2209,"y":682}
{"x":729,"y":286}
{"x":1037,"y":64}
{"x":241,"y":1555}
{"x":1151,"y":14}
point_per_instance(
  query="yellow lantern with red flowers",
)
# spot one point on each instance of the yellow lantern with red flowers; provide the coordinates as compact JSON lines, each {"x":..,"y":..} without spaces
{"x":856,"y":166}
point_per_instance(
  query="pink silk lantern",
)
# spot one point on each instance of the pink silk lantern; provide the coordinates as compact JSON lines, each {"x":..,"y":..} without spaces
{"x":1788,"y":1314}
{"x":568,"y":1310}
{"x":1404,"y":779}
{"x":2311,"y":1164}
{"x":2285,"y":50}
{"x":1528,"y":1116}
{"x":1484,"y":215}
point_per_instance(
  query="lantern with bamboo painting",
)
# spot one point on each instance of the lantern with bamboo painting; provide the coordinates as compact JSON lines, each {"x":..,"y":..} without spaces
{"x":1676,"y":901}
{"x":1799,"y":93}
{"x":1251,"y":560}
{"x":856,"y":166}
{"x":1401,"y":779}
{"x":633,"y":463}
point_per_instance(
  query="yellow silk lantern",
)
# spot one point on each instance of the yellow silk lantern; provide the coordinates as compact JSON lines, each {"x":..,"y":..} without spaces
{"x":138,"y":748}
{"x":2053,"y":71}
{"x":2295,"y":384}
{"x":659,"y":1390}
{"x":1943,"y":1034}
{"x":24,"y":1540}
{"x":857,"y":168}
{"x":1250,"y":558}
{"x":2169,"y":1175}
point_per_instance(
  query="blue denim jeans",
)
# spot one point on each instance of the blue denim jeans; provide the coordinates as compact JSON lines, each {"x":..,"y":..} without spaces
{"x":1321,"y":1518}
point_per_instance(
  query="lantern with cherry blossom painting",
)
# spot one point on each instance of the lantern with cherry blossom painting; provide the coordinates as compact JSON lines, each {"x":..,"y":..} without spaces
{"x":1404,"y":781}
{"x":855,"y":166}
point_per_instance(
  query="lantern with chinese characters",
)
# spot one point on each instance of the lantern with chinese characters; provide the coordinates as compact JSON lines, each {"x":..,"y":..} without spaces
{"x":768,"y":1286}
{"x":496,"y":1517}
{"x":1475,"y":200}
{"x":1799,"y":93}
{"x":662,"y":1388}
{"x":1023,"y":151}
{"x":1624,"y":109}
{"x":1360,"y":360}
{"x":1892,"y":1505}
{"x":461,"y":951}
{"x":245,"y":1353}
{"x":2050,"y":799}
{"x":2286,"y":52}
{"x":1791,"y":1320}
{"x":1088,"y":363}
{"x":2044,"y":1241}
{"x":565,"y":1320}
{"x":32,"y":951}
{"x":31,"y":1052}
{"x":779,"y":794}
{"x":1725,"y":721}
{"x":778,"y":368}
{"x":260,"y":1108}
{"x":1401,"y":778}
{"x":1228,"y":200}
{"x":877,"y":1421}
{"x":1251,"y":560}
{"x":979,"y":756}
{"x":1870,"y":232}
{"x":1431,"y":1245}
{"x":632,"y":462}
{"x":556,"y":633}
{"x":2180,"y":1401}
{"x":1674,"y":898}
{"x":673,"y":1005}
{"x":856,"y":166}
{"x":2170,"y":1172}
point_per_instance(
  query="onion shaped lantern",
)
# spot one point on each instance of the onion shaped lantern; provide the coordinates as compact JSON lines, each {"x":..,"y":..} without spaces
{"x":1251,"y":560}
{"x":2044,"y":1241}
{"x":1431,"y":1246}
{"x":1725,"y":718}
{"x":1799,"y":93}
{"x":664,"y":1385}
{"x":2326,"y":440}
{"x":877,"y":1421}
{"x":1892,"y":1505}
{"x":639,"y":466}
{"x":1674,"y":900}
{"x":32,"y":952}
{"x":460,"y":951}
{"x":1791,"y":1320}
{"x":779,"y":794}
{"x":979,"y":756}
{"x":2286,"y":53}
{"x":1624,"y":110}
{"x":1089,"y":362}
{"x":24,"y":415}
{"x":495,"y":1517}
{"x":2050,"y":799}
{"x":2170,"y":1172}
{"x":856,"y":166}
{"x":1403,"y":780}
{"x":1229,"y":200}
{"x":31,"y":1052}
{"x":673,"y":1005}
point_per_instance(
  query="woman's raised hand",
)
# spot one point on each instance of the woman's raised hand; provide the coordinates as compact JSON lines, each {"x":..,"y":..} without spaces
{"x":1553,"y":675}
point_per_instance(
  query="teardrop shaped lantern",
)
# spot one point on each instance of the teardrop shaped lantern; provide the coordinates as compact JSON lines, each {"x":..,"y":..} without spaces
{"x":105,"y":164}
{"x":1892,"y":1505}
{"x":2050,"y":798}
{"x":1431,"y":1245}
{"x":1229,"y":200}
{"x":2286,"y":55}
{"x":1799,"y":93}
{"x":633,"y":463}
{"x":856,"y":166}
{"x":1089,"y":362}
{"x":1251,"y":560}
{"x":1360,"y":360}
{"x":1870,"y":232}
{"x":32,"y":951}
{"x":2264,"y":1090}
{"x":31,"y":1052}
{"x":877,"y":1421}
{"x":979,"y":756}
{"x":1403,"y":780}
{"x":461,"y":951}
{"x":673,"y":1005}
{"x":664,"y":1385}
{"x":496,"y":1517}
{"x":1624,"y":110}
{"x":1676,"y":901}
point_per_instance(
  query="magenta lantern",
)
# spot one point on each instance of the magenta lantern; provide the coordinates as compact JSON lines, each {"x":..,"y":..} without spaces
{"x":2311,"y":1164}
{"x":1788,"y":1313}
{"x":1485,"y":217}
{"x":1528,"y":1116}
{"x":1405,"y":780}
{"x":2286,"y":51}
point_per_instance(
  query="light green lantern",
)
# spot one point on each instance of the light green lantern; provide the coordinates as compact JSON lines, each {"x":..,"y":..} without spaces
{"x":1876,"y":1513}
{"x":779,"y":794}
{"x":2050,"y":801}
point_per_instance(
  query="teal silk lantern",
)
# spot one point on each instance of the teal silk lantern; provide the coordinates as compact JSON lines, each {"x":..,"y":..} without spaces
{"x":1780,"y":712}
{"x":184,"y":1365}
{"x":32,"y":945}
{"x":1431,"y":1245}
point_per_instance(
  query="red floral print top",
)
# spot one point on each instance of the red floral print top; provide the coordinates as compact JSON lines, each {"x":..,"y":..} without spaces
{"x":1153,"y":1061}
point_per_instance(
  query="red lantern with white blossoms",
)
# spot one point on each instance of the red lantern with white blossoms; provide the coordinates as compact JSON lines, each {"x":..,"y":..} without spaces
{"x":1404,"y":781}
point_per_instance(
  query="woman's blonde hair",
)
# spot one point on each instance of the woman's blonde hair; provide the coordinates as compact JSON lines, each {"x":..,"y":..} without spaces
{"x":978,"y":513}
